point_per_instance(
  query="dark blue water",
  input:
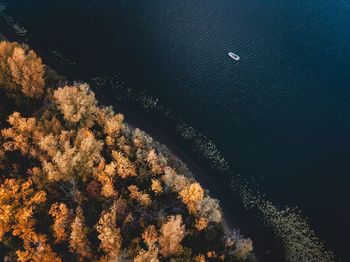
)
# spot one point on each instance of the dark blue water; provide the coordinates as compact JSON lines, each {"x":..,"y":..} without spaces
{"x":280,"y":115}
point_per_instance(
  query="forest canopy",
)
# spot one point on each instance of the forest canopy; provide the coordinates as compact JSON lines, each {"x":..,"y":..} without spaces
{"x":77,"y":183}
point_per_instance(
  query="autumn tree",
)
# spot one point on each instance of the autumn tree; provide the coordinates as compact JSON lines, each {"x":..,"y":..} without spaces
{"x":156,"y":186}
{"x":210,"y":210}
{"x":123,"y":165}
{"x":150,"y":235}
{"x":109,"y":234}
{"x":113,"y":124}
{"x":60,"y":213}
{"x":77,"y":104}
{"x":18,"y":202}
{"x":201,"y":223}
{"x":69,"y":161}
{"x":71,"y":154}
{"x":26,"y":134}
{"x":150,"y":238}
{"x":143,"y":198}
{"x":172,"y":233}
{"x":105,"y":174}
{"x":123,"y":144}
{"x":6,"y":80}
{"x":37,"y":249}
{"x":174,"y":181}
{"x":112,"y":128}
{"x":21,"y":70}
{"x":157,"y":162}
{"x":243,"y":248}
{"x":140,"y":140}
{"x":151,"y":255}
{"x":23,"y":135}
{"x":192,"y":196}
{"x":78,"y":242}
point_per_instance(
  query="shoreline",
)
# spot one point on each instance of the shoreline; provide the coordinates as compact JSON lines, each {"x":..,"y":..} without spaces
{"x":201,"y":175}
{"x":136,"y":122}
{"x":3,"y":37}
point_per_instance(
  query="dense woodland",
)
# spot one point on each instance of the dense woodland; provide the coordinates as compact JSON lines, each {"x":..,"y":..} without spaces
{"x":77,"y":183}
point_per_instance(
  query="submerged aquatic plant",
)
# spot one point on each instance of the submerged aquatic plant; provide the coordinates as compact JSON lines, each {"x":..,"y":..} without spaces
{"x":77,"y":181}
{"x":2,"y":7}
{"x":300,"y":243}
{"x":199,"y":142}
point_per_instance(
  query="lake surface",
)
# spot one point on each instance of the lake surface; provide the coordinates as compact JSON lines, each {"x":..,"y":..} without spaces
{"x":281,"y":115}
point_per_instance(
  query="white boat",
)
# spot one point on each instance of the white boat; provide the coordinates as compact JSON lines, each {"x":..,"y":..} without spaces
{"x":234,"y":56}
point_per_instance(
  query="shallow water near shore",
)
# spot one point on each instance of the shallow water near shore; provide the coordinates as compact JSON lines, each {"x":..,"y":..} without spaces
{"x":280,"y":115}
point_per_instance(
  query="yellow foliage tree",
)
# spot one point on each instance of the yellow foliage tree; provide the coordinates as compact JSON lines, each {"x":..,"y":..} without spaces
{"x":150,"y":235}
{"x":6,"y":51}
{"x":105,"y":175}
{"x":172,"y":233}
{"x":113,"y":125}
{"x":60,"y":213}
{"x":156,"y":162}
{"x":36,"y":249}
{"x":210,"y":210}
{"x":124,"y":167}
{"x":27,"y":72}
{"x":192,"y":196}
{"x":18,"y":201}
{"x":156,"y":186}
{"x":77,"y":104}
{"x":201,"y":223}
{"x":21,"y":70}
{"x":71,"y":161}
{"x":109,"y":234}
{"x":23,"y":135}
{"x":173,"y":180}
{"x":79,"y":243}
{"x":151,"y":255}
{"x":141,"y":197}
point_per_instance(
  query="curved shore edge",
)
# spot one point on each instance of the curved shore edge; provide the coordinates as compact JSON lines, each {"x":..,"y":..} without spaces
{"x":199,"y":173}
{"x":108,"y":122}
{"x":265,"y":247}
{"x":3,"y":38}
{"x":136,"y":121}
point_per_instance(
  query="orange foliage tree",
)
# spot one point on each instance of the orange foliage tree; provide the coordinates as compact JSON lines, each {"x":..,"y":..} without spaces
{"x":78,"y":181}
{"x":192,"y":196}
{"x":140,"y":196}
{"x":172,"y":233}
{"x":78,"y":242}
{"x":60,"y":213}
{"x":21,"y":70}
{"x":22,"y":134}
{"x":70,"y":161}
{"x":77,"y":104}
{"x":105,"y":174}
{"x":124,"y":167}
{"x":18,"y":201}
{"x":109,"y":234}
